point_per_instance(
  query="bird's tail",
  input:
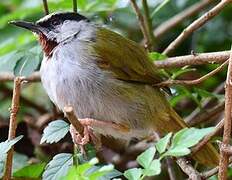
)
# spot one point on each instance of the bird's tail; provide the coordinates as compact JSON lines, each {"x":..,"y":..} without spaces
{"x":208,"y":155}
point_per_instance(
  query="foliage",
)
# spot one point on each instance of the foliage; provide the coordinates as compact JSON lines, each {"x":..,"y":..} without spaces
{"x":55,"y":131}
{"x":4,"y":148}
{"x":170,"y":145}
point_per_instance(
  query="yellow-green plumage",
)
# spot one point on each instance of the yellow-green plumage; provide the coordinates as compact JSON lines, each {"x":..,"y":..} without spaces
{"x":129,"y":62}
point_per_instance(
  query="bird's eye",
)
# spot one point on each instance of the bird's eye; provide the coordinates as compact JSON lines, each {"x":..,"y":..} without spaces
{"x":55,"y":22}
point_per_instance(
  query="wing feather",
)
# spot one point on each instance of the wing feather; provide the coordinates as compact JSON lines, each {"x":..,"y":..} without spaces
{"x":124,"y":58}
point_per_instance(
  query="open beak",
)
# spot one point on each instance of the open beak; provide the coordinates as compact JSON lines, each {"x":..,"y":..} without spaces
{"x":28,"y":25}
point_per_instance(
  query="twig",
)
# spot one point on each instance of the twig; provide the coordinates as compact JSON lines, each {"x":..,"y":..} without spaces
{"x":12,"y":126}
{"x":208,"y":137}
{"x":45,"y":4}
{"x":211,"y":172}
{"x":192,"y":82}
{"x":4,"y":77}
{"x":227,"y":149}
{"x":188,"y":169}
{"x":148,"y":23}
{"x":73,"y":119}
{"x":199,"y":59}
{"x":171,"y":171}
{"x":74,"y":5}
{"x":202,"y":114}
{"x":41,"y":109}
{"x":206,"y":115}
{"x":196,"y":25}
{"x":179,"y":61}
{"x":224,"y":157}
{"x":142,"y":24}
{"x":177,"y":19}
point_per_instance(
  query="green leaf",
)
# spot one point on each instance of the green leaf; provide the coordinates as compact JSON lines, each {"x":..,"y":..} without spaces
{"x":177,"y":151}
{"x":27,"y":64}
{"x":146,"y":157}
{"x":55,"y":131}
{"x":6,"y":145}
{"x":72,"y":174}
{"x":158,"y":8}
{"x":30,"y":171}
{"x":154,"y":56}
{"x":154,"y":168}
{"x":58,"y":166}
{"x":8,"y":61}
{"x":19,"y":161}
{"x":189,"y":137}
{"x":162,"y":144}
{"x":82,"y":168}
{"x":111,"y":175}
{"x":205,"y":94}
{"x":101,"y":172}
{"x":133,"y":174}
{"x":182,"y":71}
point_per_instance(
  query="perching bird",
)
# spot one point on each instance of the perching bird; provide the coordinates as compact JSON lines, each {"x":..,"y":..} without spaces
{"x":105,"y":77}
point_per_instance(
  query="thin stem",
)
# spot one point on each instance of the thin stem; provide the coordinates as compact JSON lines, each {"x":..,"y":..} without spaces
{"x":188,"y":169}
{"x":45,"y":4}
{"x":208,"y":137}
{"x":142,"y":24}
{"x":224,"y":157}
{"x":196,"y":25}
{"x":148,"y":23}
{"x":179,"y":18}
{"x":75,"y":6}
{"x":69,"y":112}
{"x":198,"y":59}
{"x":12,"y":126}
{"x":192,"y":82}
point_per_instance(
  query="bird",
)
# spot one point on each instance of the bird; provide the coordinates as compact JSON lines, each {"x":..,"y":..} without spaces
{"x":106,"y":78}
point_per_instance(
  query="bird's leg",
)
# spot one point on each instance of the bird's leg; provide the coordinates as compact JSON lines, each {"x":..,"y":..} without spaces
{"x":87,"y":136}
{"x":104,"y":124}
{"x":88,"y":133}
{"x":77,"y":137}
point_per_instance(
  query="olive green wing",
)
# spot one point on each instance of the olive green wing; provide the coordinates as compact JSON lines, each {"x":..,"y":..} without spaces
{"x":124,"y":58}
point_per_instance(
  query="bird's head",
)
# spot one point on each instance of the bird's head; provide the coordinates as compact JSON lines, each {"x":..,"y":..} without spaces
{"x":54,"y":28}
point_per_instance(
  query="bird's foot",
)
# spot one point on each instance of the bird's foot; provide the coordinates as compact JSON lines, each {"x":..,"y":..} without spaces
{"x":78,"y":138}
{"x":88,"y":135}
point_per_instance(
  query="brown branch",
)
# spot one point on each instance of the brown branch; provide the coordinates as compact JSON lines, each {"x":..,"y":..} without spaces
{"x":142,"y":24}
{"x":206,"y":115}
{"x":179,"y":61}
{"x":148,"y":23}
{"x":203,"y":114}
{"x":68,"y":110}
{"x":179,"y":18}
{"x":45,"y":4}
{"x":171,"y":171}
{"x":74,"y":5}
{"x":208,"y":137}
{"x":188,"y":169}
{"x":41,"y":109}
{"x":35,"y":77}
{"x":193,"y":82}
{"x":12,"y":126}
{"x":199,"y":59}
{"x":196,"y":25}
{"x":211,"y":172}
{"x":224,"y":158}
{"x":226,"y":149}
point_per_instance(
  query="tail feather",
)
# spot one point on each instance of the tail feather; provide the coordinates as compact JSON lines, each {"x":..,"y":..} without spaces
{"x":208,"y":155}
